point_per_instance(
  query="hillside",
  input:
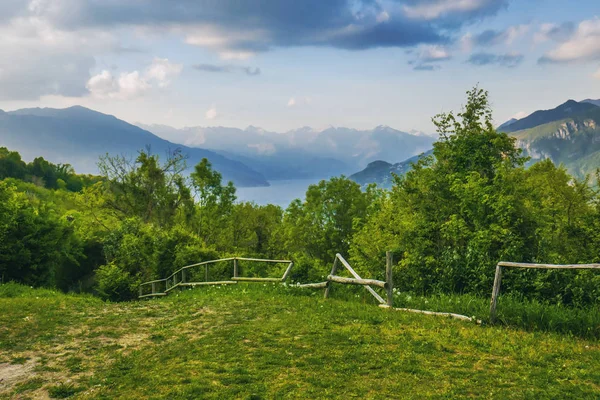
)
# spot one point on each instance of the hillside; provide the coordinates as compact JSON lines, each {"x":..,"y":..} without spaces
{"x":258,"y":342}
{"x":566,"y":110}
{"x":572,"y":141}
{"x":78,"y":136}
{"x":380,"y":172}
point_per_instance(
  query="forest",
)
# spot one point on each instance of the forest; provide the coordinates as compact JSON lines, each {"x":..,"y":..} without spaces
{"x":474,"y":202}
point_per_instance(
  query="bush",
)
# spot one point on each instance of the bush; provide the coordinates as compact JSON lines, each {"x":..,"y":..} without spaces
{"x":115,"y":284}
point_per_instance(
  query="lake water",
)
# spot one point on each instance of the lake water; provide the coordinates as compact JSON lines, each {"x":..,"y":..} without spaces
{"x":280,"y":193}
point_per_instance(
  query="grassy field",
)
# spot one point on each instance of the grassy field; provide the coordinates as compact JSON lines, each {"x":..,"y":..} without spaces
{"x":270,"y":342}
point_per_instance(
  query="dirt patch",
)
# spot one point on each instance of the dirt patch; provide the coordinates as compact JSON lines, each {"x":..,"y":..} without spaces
{"x":11,"y":374}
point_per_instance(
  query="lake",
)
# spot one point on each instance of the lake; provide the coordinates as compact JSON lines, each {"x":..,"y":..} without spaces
{"x":280,"y":193}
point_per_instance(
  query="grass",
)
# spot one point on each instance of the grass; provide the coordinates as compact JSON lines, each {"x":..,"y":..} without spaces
{"x":265,"y":342}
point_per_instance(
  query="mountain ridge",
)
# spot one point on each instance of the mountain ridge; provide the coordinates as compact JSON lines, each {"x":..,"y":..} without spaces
{"x":79,"y":135}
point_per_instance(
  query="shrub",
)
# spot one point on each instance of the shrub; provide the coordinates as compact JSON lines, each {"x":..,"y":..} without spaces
{"x":115,"y":284}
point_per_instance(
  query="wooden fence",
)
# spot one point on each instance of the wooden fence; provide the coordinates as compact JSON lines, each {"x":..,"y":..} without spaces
{"x":179,"y":278}
{"x":388,"y":285}
{"x":505,"y":264}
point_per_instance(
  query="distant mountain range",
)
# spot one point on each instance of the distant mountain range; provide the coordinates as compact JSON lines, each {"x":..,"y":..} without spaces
{"x":568,"y":134}
{"x":78,"y":136}
{"x":304,"y":152}
{"x":249,"y":157}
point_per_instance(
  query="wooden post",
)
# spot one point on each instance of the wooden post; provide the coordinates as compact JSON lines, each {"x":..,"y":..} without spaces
{"x":235,"y":268}
{"x":140,"y":290}
{"x":153,"y":287}
{"x":333,"y":270}
{"x":389,"y":282}
{"x":495,"y":293}
{"x":287,"y":272}
{"x":183,"y":276}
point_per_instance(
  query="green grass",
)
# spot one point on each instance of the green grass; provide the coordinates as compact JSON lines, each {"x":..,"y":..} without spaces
{"x":266,"y":342}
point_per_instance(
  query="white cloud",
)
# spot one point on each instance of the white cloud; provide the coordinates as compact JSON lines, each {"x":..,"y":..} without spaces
{"x":436,"y":9}
{"x":556,"y":32}
{"x":38,"y":59}
{"x":133,"y":84}
{"x":382,"y":17}
{"x":520,"y":115}
{"x":162,"y":71}
{"x":582,"y":45}
{"x":299,"y":101}
{"x":211,"y":113}
{"x":597,"y":74}
{"x":434,"y":53}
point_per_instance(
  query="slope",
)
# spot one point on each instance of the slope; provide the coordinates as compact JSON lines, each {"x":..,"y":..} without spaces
{"x":381,"y":172}
{"x":572,"y":141}
{"x":273,"y":342}
{"x":541,"y":117}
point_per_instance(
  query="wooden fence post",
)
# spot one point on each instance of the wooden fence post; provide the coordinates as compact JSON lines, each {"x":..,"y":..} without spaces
{"x":495,"y":293}
{"x":153,"y":287}
{"x":389,"y":281}
{"x":287,"y":272}
{"x":235,"y":268}
{"x":333,"y":270}
{"x":140,"y":290}
{"x":183,"y":276}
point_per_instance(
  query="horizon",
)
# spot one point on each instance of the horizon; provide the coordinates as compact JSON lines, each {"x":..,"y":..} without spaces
{"x":283,"y":65}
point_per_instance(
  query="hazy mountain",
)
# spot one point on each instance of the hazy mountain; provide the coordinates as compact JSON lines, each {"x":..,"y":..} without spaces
{"x":78,"y":136}
{"x":380,"y":172}
{"x":565,"y":110}
{"x":507,"y":123}
{"x":590,"y":101}
{"x":303,"y":152}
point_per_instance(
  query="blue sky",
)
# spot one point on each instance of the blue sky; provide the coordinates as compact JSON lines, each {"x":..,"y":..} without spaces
{"x":285,"y":64}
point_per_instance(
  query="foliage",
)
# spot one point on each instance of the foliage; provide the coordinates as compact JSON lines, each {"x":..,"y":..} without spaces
{"x":472,"y":204}
{"x":115,"y":284}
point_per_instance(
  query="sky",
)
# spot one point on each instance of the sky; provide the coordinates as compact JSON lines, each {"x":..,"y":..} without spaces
{"x":285,"y":64}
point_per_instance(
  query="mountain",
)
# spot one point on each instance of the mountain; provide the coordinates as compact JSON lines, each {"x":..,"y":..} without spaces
{"x":541,"y":117}
{"x":590,"y":101}
{"x":303,"y":152}
{"x":573,"y":141}
{"x":506,"y":124}
{"x":380,"y":172}
{"x":78,"y":136}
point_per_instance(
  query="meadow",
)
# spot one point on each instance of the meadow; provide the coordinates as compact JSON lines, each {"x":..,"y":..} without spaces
{"x":269,"y":341}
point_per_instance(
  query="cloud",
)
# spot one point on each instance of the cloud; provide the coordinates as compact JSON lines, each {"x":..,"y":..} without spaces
{"x":597,"y":74}
{"x":582,"y":45}
{"x":554,"y":32}
{"x":238,"y":29}
{"x":39,"y":59}
{"x":434,"y":54}
{"x":298,"y":101}
{"x":520,"y":115}
{"x":428,"y":55}
{"x":436,"y":9}
{"x":227,"y":69}
{"x":426,"y":67}
{"x":133,"y":84}
{"x":211,"y":113}
{"x":509,"y":60}
{"x":492,"y":37}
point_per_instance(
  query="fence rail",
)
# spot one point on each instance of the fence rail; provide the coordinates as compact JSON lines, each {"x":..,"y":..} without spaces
{"x":506,"y":264}
{"x":179,"y":278}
